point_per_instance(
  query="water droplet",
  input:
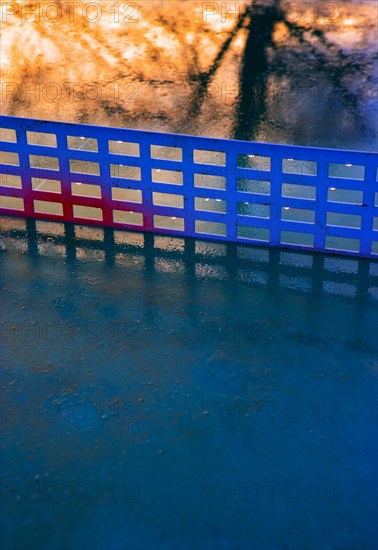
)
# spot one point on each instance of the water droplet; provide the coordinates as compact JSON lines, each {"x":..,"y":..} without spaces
{"x":286,"y":207}
{"x":332,"y":188}
{"x":348,"y":165}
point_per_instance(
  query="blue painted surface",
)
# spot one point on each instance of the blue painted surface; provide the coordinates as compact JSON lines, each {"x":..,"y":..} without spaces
{"x":143,"y":347}
{"x":237,"y":191}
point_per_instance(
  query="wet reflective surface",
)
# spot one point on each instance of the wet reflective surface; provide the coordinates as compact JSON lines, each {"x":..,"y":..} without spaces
{"x":167,"y":393}
{"x":164,"y":393}
{"x":284,"y":72}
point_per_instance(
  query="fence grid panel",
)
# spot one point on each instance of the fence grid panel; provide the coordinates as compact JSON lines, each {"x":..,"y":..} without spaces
{"x":284,"y":196}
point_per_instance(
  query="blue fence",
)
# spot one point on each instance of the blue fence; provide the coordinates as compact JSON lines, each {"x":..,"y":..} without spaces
{"x":274,"y":195}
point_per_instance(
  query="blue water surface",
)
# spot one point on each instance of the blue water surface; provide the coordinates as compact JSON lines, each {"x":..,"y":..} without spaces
{"x":162,"y":393}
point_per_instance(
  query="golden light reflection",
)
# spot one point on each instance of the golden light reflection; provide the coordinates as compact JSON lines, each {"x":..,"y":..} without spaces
{"x":281,"y":32}
{"x":143,"y":69}
{"x":349,"y":22}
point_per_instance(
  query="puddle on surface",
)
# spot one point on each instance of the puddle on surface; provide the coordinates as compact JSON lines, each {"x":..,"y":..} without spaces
{"x":171,"y":393}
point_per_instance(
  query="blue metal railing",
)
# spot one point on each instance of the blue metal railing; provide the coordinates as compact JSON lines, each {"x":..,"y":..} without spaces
{"x":274,"y":195}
